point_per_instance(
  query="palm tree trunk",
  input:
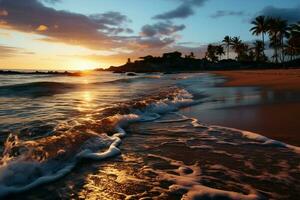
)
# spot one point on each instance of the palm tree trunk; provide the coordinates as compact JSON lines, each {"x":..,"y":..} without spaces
{"x":276,"y":50}
{"x":282,"y":49}
{"x":263,"y":40}
{"x":227,"y":52}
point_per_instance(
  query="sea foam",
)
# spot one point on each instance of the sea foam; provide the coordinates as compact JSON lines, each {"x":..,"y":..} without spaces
{"x":21,"y":169}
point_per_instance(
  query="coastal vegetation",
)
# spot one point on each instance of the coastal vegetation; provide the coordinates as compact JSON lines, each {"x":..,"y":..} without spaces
{"x":278,"y":46}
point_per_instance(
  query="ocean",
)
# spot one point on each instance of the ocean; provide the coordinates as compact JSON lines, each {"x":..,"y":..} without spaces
{"x":112,"y":136}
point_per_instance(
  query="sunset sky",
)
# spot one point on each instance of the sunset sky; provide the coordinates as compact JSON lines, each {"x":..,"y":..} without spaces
{"x":81,"y":34}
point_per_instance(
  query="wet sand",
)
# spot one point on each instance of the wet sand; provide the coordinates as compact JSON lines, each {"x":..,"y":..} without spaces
{"x":182,"y":160}
{"x":278,"y":119}
{"x":275,"y":79}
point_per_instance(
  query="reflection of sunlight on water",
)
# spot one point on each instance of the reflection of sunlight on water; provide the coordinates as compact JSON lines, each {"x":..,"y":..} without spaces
{"x":109,"y":183}
{"x":85,"y":81}
{"x":86,"y":101}
{"x":87,"y":96}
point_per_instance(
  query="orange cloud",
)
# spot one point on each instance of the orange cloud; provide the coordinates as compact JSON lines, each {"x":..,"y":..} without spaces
{"x":3,"y":13}
{"x":42,"y":28}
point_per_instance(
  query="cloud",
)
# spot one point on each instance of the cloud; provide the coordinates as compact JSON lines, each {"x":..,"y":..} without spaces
{"x":62,"y":26}
{"x":161,"y":28}
{"x":290,"y":14}
{"x":3,"y":13}
{"x":110,"y":18}
{"x":103,"y":31}
{"x":184,"y":10}
{"x":51,"y":1}
{"x":42,"y":28}
{"x":113,"y":22}
{"x":6,"y":51}
{"x":155,"y":42}
{"x":224,"y":13}
{"x":158,"y":35}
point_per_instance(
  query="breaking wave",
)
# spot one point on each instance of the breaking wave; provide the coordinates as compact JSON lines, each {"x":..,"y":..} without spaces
{"x":28,"y":163}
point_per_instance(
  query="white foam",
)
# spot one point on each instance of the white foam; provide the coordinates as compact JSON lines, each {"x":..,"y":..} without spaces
{"x":20,"y":171}
{"x":264,"y":140}
{"x":18,"y":175}
{"x":201,"y":191}
{"x":188,"y":177}
{"x":250,"y":135}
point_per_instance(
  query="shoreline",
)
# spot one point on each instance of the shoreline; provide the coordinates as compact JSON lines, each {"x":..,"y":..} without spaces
{"x":277,"y":120}
{"x":281,"y":79}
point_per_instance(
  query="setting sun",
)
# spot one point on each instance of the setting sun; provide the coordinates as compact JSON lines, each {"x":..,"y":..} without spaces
{"x":83,"y":65}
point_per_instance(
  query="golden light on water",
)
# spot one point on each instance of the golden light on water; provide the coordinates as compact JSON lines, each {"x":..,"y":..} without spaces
{"x":110,"y":182}
{"x":86,"y":101}
{"x":87,"y":96}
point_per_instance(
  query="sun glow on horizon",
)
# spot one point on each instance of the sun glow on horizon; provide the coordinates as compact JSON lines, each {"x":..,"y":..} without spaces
{"x":83,"y":65}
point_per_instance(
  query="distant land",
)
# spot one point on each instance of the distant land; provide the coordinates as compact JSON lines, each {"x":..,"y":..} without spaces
{"x":175,"y":62}
{"x":16,"y":72}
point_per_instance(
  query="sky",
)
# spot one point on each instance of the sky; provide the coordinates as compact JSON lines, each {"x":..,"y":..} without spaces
{"x":84,"y":34}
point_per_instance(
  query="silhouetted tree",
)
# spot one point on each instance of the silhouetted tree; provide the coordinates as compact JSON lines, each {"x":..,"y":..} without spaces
{"x":292,"y":48}
{"x":277,"y":31}
{"x":227,"y":43}
{"x":259,"y":51}
{"x":236,"y":45}
{"x":190,"y":56}
{"x":172,"y":56}
{"x":260,"y":27}
{"x":219,"y":51}
{"x":211,"y":53}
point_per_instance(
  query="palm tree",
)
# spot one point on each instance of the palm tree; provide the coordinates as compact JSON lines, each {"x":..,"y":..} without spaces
{"x":227,"y":43}
{"x":258,"y":50}
{"x":243,"y":52}
{"x":211,"y":53}
{"x":277,"y":32}
{"x":220,"y":51}
{"x":236,"y":45}
{"x":293,"y":43}
{"x":290,"y":50}
{"x":283,"y":33}
{"x":275,"y":41}
{"x":260,"y":27}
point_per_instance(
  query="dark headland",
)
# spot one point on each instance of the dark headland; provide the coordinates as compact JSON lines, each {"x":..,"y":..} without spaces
{"x":174,"y":62}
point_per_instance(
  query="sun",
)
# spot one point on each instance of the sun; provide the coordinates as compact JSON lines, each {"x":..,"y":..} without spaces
{"x":84,"y":68}
{"x":83,"y":65}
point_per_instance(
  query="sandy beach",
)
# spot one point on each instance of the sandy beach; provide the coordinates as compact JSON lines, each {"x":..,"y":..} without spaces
{"x":274,"y":79}
{"x":278,"y":120}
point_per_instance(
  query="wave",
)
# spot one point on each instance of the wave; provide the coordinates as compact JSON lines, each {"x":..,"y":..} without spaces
{"x":254,"y":137}
{"x":36,"y":89}
{"x":26,"y":164}
{"x":262,"y":139}
{"x":48,"y":88}
{"x":131,"y":80}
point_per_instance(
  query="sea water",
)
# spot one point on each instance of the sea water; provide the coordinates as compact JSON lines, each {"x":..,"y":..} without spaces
{"x":111,"y":136}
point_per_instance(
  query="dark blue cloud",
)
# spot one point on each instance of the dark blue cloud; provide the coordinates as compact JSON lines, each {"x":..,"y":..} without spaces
{"x":161,"y":28}
{"x":184,"y":10}
{"x":224,"y":13}
{"x":289,"y":14}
